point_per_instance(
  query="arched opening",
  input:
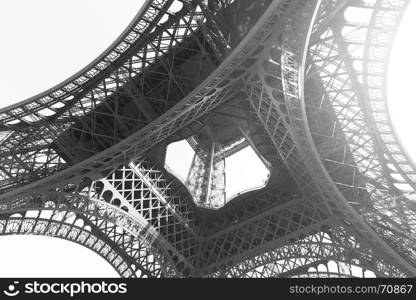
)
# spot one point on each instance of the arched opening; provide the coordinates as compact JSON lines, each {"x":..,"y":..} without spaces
{"x":48,"y":41}
{"x":41,"y":256}
{"x":222,"y":178}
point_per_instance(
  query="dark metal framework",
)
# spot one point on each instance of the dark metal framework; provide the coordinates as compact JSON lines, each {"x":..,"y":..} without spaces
{"x":297,"y":81}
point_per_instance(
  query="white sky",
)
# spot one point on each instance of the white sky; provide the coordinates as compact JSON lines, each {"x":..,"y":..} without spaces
{"x":179,"y":164}
{"x":239,"y":176}
{"x":244,"y":171}
{"x":402,"y":81}
{"x":45,"y":41}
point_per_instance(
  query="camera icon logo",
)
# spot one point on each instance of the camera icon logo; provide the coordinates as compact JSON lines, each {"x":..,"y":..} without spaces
{"x":12,"y":291}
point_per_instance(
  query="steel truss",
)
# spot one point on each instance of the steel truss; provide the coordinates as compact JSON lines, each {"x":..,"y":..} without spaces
{"x":80,"y":162}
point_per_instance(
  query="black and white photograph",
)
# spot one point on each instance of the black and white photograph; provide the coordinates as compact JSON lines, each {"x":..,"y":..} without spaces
{"x":206,"y":140}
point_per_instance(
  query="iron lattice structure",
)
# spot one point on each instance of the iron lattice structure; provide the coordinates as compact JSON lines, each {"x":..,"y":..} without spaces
{"x":296,"y":80}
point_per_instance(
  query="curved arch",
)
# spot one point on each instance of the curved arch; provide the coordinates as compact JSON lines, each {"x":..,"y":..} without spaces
{"x":362,"y":178}
{"x":64,"y":205}
{"x":70,"y":232}
{"x":317,"y":268}
{"x":82,"y":204}
{"x":375,"y":70}
{"x":398,"y":227}
{"x":333,"y":244}
{"x":331,"y":269}
{"x":273,"y":264}
{"x":20,"y":226}
{"x":135,"y":141}
{"x":145,"y":21}
{"x":294,"y":54}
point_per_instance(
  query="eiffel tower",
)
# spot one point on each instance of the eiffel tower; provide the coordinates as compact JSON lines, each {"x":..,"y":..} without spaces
{"x":295,"y":80}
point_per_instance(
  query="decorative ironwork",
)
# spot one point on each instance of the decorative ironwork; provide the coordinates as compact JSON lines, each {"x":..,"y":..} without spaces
{"x":297,"y":81}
